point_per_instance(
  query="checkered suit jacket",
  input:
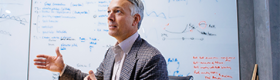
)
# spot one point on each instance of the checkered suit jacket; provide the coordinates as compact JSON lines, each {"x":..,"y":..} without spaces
{"x":143,"y":62}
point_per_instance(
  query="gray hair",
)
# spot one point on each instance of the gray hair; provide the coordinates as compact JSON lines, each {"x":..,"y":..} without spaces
{"x":138,"y":8}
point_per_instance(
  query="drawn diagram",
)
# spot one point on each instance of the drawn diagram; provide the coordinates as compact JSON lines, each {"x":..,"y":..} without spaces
{"x":189,"y":28}
{"x":162,"y":15}
{"x":157,"y":15}
{"x":22,"y":21}
{"x":173,"y":65}
{"x":5,"y":33}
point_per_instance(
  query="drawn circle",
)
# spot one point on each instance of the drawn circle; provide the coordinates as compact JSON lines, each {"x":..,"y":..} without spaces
{"x":202,"y":22}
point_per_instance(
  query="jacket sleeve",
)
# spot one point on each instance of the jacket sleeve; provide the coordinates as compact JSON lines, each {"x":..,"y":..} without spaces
{"x":100,"y":70}
{"x":155,"y":69}
{"x":71,"y":73}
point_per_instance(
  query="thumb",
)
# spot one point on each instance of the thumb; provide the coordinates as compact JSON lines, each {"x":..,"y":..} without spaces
{"x":57,"y":51}
{"x":91,"y":75}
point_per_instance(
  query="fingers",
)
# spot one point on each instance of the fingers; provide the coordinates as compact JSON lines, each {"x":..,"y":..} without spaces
{"x":87,"y":78}
{"x":42,"y":55}
{"x":40,"y":60}
{"x":42,"y":67}
{"x":91,"y":75}
{"x":57,"y":51}
{"x":40,"y":64}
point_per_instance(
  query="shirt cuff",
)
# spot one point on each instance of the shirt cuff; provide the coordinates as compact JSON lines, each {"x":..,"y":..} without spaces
{"x":62,"y":70}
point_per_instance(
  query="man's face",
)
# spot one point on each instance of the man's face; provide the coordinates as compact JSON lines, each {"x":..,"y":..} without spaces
{"x":120,"y":20}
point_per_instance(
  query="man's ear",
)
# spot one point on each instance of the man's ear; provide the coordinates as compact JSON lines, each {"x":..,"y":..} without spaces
{"x":136,"y":20}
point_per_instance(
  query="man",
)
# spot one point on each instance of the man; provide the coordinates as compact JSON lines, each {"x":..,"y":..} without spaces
{"x":132,"y":58}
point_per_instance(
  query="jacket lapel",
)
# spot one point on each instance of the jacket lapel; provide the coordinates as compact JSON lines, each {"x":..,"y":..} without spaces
{"x":109,"y":65}
{"x":130,"y":60}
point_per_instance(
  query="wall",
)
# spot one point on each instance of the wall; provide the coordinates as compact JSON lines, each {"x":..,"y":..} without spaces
{"x":259,"y":38}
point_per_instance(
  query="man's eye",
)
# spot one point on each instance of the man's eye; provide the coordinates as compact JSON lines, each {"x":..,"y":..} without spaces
{"x":118,"y":11}
{"x":108,"y":12}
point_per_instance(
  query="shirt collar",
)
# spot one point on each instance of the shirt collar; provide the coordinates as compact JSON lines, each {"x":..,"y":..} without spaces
{"x":127,"y":43}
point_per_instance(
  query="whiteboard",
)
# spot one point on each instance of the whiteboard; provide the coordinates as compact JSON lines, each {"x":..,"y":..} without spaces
{"x":14,"y":38}
{"x":196,"y":37}
{"x":79,"y":28}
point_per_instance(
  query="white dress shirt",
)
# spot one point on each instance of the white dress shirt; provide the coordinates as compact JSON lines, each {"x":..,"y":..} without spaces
{"x":125,"y":46}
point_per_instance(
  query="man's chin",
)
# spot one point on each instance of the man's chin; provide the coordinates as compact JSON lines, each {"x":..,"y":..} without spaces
{"x":112,"y":33}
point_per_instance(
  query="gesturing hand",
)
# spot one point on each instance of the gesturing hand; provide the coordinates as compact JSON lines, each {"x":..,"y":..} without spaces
{"x":52,"y":63}
{"x":90,"y":76}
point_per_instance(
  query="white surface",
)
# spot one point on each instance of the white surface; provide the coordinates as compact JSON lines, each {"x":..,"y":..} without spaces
{"x":14,"y":38}
{"x":166,"y":25}
{"x":62,"y":22}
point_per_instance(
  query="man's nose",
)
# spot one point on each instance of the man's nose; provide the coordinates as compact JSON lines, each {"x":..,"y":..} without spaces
{"x":111,"y":17}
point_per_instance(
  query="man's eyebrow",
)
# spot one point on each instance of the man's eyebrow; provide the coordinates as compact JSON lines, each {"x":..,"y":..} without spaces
{"x":115,"y":7}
